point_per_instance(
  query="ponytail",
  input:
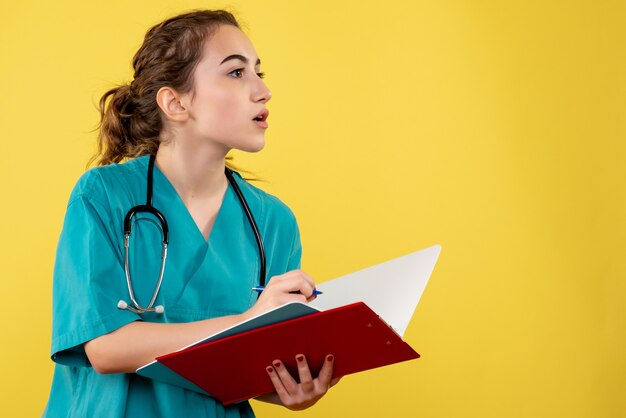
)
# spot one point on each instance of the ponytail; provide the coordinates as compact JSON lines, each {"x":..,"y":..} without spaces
{"x":126,"y":129}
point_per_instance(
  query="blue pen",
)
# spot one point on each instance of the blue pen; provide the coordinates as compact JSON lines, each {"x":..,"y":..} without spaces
{"x":259,"y":289}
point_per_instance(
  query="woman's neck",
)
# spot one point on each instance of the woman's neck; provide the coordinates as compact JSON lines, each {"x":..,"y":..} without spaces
{"x":195,"y":172}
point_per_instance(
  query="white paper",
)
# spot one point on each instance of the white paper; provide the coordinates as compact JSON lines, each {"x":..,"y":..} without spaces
{"x":391,"y":289}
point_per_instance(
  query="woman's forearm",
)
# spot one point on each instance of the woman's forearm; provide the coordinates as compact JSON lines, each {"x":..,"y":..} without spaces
{"x":135,"y":344}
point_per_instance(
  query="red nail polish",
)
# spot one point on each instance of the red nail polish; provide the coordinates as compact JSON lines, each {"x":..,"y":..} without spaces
{"x":300,"y":358}
{"x":270,"y":369}
{"x":329,"y":357}
{"x":277,"y":364}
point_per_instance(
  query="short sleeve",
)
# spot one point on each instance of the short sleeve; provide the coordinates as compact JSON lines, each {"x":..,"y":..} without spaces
{"x":88,"y":281}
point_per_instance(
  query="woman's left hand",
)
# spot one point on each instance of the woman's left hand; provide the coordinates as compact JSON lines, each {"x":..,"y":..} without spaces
{"x":297,"y":396}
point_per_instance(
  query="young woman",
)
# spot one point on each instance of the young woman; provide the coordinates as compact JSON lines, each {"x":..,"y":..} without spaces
{"x":197,"y":93}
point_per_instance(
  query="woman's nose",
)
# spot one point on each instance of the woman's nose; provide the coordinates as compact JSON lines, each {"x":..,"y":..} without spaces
{"x":263,"y":94}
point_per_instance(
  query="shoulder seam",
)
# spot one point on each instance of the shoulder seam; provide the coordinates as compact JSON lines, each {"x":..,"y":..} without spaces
{"x":88,"y":189}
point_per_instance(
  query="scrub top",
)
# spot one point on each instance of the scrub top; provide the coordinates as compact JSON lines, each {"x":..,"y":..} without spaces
{"x":201,"y":280}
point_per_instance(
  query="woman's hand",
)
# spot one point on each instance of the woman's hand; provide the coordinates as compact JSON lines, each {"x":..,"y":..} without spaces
{"x":297,"y":396}
{"x":295,"y":285}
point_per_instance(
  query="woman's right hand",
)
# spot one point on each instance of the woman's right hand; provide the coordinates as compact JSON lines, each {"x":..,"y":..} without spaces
{"x":295,"y":285}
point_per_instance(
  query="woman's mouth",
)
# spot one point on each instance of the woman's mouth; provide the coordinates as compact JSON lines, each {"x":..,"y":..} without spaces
{"x":261,"y":119}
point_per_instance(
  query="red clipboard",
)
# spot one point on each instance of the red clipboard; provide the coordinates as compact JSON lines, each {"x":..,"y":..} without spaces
{"x":232,"y":369}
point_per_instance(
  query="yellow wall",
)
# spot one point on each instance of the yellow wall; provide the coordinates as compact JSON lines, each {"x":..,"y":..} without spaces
{"x":496,"y":129}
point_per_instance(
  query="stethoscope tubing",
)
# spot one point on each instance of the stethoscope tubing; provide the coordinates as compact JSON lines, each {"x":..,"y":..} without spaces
{"x":252,"y":222}
{"x":149,"y":208}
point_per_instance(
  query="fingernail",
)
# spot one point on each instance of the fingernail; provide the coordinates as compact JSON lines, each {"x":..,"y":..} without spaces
{"x":300,"y":358}
{"x":277,"y":364}
{"x":329,"y":357}
{"x":270,"y":369}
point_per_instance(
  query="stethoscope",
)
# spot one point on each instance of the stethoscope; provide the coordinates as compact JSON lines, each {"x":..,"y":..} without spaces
{"x":148,"y":208}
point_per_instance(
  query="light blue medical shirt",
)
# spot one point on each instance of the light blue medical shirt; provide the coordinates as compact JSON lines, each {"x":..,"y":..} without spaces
{"x":201,"y":280}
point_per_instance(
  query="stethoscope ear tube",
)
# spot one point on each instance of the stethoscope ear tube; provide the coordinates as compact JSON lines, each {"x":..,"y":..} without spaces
{"x":137,"y":307}
{"x":128,"y":221}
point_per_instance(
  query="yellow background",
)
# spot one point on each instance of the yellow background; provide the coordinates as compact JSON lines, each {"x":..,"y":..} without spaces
{"x":495,"y":129}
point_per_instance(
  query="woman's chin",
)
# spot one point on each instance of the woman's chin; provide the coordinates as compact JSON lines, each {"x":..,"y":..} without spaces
{"x":251,"y":146}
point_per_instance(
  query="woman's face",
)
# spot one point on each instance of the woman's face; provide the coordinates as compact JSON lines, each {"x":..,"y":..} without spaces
{"x":229,"y":93}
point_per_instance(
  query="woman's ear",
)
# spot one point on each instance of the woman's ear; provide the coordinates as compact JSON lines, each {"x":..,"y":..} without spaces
{"x":172,"y":104}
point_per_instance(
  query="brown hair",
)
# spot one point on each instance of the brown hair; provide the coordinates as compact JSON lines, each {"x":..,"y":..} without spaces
{"x":130,"y":119}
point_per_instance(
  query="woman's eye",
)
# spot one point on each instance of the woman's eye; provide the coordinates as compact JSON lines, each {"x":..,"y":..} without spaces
{"x":238,"y":72}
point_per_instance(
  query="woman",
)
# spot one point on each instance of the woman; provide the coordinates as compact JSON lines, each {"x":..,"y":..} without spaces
{"x":197,"y":93}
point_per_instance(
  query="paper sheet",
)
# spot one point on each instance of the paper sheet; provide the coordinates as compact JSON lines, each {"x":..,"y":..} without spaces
{"x":391,"y":289}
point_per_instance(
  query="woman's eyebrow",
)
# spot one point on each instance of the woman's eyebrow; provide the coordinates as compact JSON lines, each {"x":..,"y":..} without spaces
{"x":240,"y":58}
